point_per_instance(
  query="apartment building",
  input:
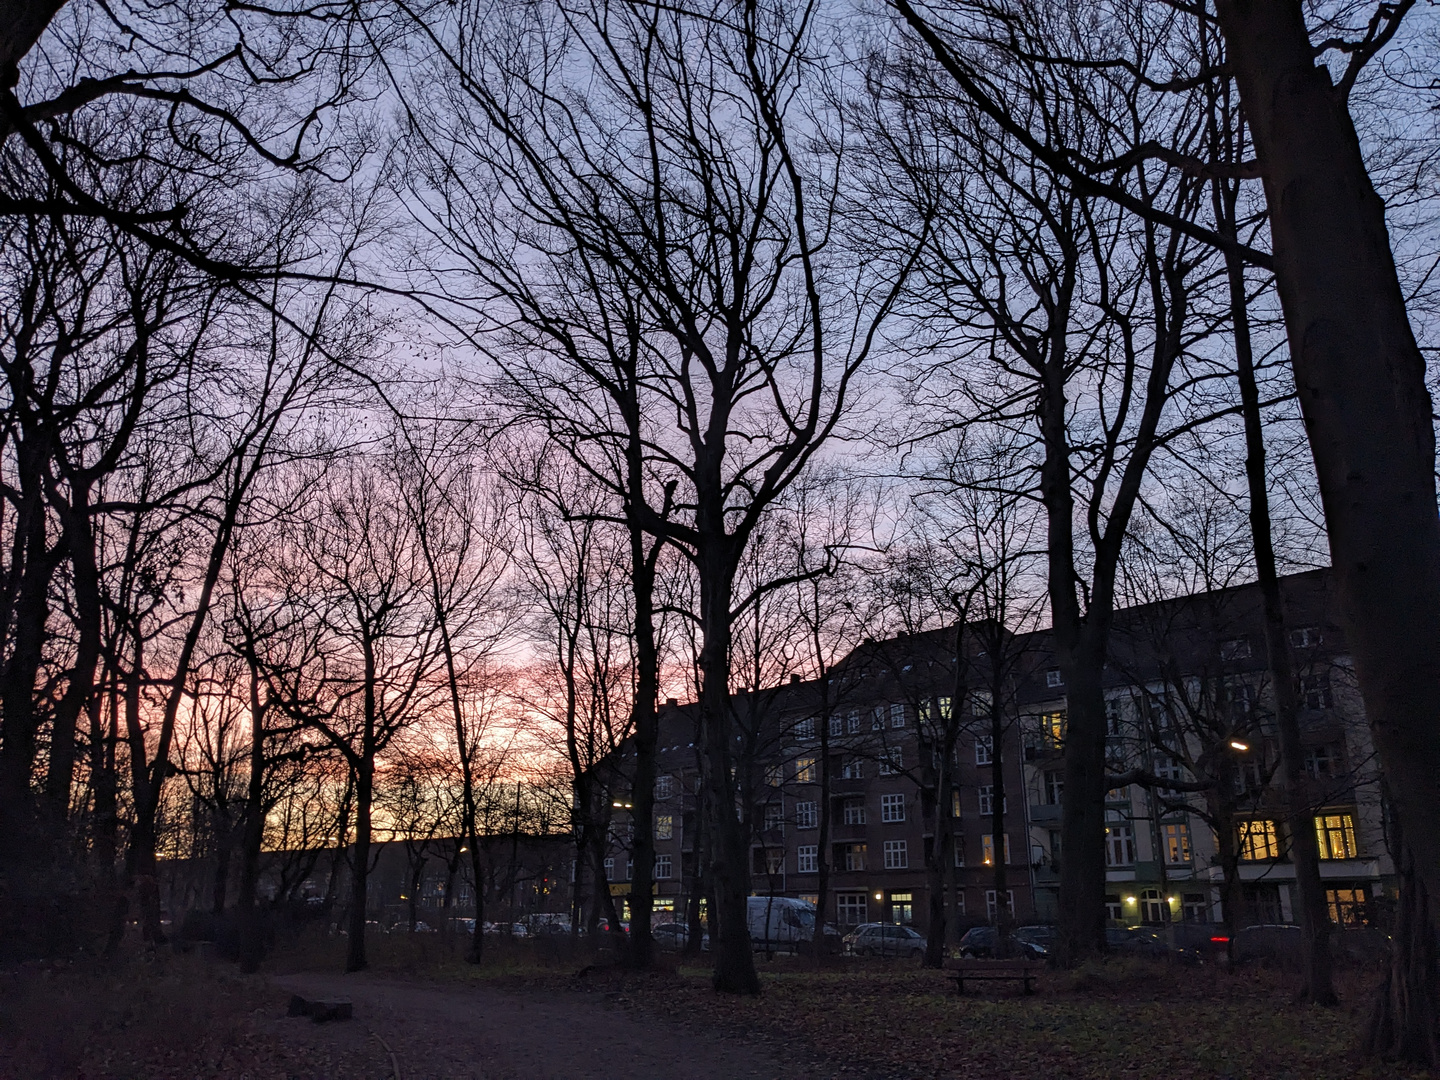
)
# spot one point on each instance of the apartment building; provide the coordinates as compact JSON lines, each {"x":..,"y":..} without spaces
{"x":1188,"y":700}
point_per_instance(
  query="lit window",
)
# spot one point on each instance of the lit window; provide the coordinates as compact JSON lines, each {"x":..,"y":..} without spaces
{"x":1154,"y":908}
{"x":662,"y":867}
{"x":955,"y":803}
{"x":892,"y":807}
{"x":1054,"y":678}
{"x":1052,"y":730}
{"x":987,"y":849}
{"x":774,"y":863}
{"x":942,"y":705}
{"x":897,"y":715}
{"x":664,"y":826}
{"x":806,"y":815}
{"x":1259,"y":840}
{"x":1177,"y":843}
{"x":890,"y":761}
{"x":807,"y":859}
{"x":854,"y":857}
{"x":1336,"y":834}
{"x":854,"y":811}
{"x":774,"y":775}
{"x":1119,"y":845}
{"x":983,"y":746}
{"x":897,"y":855}
{"x":805,"y":770}
{"x":1348,"y":907}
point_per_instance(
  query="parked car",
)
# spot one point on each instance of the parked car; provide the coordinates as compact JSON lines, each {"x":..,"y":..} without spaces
{"x":783,"y":922}
{"x":1034,"y":942}
{"x":1134,"y":941}
{"x":674,"y":935}
{"x":884,"y":939}
{"x":1026,"y":942}
{"x":1282,"y":942}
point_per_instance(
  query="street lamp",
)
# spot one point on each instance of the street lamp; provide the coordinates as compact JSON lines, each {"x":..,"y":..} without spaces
{"x":1236,"y":744}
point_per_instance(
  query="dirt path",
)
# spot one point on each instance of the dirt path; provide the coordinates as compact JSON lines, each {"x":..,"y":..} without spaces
{"x":470,"y":1033}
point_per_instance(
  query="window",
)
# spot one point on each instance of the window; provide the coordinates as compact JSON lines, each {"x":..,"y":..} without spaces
{"x":1240,"y":696}
{"x":664,"y":826}
{"x":1166,"y":768}
{"x":774,"y":775}
{"x":662,"y":867}
{"x":1306,"y":637}
{"x":1348,"y":907}
{"x":850,"y":908}
{"x":837,"y":726}
{"x":854,"y":857}
{"x":1055,"y":835}
{"x":1336,"y":833}
{"x":1054,"y":678}
{"x":1052,"y":730}
{"x":774,"y":816}
{"x":987,"y":800}
{"x":852,"y":769}
{"x":877,"y":718}
{"x":805,"y":770}
{"x":942,"y":707}
{"x":1322,"y":761}
{"x":897,"y":715}
{"x":987,"y":849}
{"x":854,"y":811}
{"x":1154,"y":908}
{"x":1113,"y":717}
{"x":806,"y":815}
{"x":610,"y":869}
{"x":890,"y":761}
{"x":852,"y":722}
{"x":630,"y":868}
{"x":1119,"y":845}
{"x":992,"y":909}
{"x":1315,"y":691}
{"x":984,"y":744}
{"x":664,"y":787}
{"x":805,"y":729}
{"x":1054,"y":787}
{"x":1177,"y":843}
{"x":959,"y":842}
{"x":897,"y":856}
{"x":955,"y":803}
{"x":892,"y":807}
{"x":902,"y":908}
{"x":1195,"y":907}
{"x":807,"y":859}
{"x":1113,"y":911}
{"x":774,"y":863}
{"x":1235,"y":649}
{"x":1259,"y":840}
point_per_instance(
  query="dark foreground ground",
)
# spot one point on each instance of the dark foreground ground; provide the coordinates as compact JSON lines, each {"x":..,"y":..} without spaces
{"x":529,"y":1013}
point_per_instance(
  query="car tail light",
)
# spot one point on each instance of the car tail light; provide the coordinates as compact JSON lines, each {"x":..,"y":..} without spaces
{"x":1220,"y":940}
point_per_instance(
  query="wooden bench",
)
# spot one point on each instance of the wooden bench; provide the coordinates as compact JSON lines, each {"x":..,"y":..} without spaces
{"x":963,"y":971}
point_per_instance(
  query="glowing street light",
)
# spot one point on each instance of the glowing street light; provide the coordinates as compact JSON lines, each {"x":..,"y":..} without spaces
{"x":1236,"y":744}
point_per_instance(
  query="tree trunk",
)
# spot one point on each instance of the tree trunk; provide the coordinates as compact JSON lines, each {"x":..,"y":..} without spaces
{"x":1314,"y":917}
{"x":355,"y":959}
{"x":85,"y":580}
{"x":1005,"y":917}
{"x":247,"y":906}
{"x":1403,"y":1025}
{"x":640,"y":951}
{"x":822,"y":850}
{"x":1082,"y":813}
{"x":1362,"y":392}
{"x":729,"y":865}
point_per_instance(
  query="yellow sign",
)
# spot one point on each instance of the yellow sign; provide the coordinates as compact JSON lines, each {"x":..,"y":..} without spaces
{"x":625,"y":890}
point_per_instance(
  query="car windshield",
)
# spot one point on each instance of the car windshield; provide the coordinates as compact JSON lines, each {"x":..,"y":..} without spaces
{"x":1035,"y":933}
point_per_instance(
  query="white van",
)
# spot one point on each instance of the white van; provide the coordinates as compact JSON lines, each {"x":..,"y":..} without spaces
{"x":782,"y":922}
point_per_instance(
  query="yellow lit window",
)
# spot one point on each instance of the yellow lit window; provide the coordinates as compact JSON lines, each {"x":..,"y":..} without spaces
{"x":987,"y":849}
{"x":1259,"y":840}
{"x":805,"y":770}
{"x":1336,"y":833}
{"x":1052,"y":729}
{"x":664,"y":826}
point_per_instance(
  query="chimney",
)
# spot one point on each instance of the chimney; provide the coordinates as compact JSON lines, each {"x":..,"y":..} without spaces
{"x":671,"y":702}
{"x":794,"y":679}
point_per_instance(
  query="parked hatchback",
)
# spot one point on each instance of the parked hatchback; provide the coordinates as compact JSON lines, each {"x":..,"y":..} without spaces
{"x":884,"y":939}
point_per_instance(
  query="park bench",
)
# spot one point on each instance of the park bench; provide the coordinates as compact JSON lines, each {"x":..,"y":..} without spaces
{"x":963,"y":971}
